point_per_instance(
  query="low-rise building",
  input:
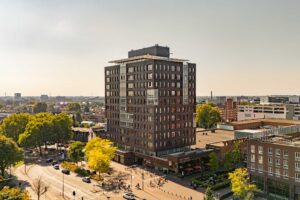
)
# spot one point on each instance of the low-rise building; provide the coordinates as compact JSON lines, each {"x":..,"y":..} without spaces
{"x":274,"y":165}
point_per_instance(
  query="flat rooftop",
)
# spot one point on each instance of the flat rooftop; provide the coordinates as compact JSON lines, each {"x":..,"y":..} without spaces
{"x":266,"y":121}
{"x":218,"y":136}
{"x":284,"y":140}
{"x":147,"y":57}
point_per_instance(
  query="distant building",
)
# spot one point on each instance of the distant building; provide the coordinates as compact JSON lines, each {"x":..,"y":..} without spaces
{"x":276,"y":111}
{"x":44,"y":98}
{"x":17,"y":97}
{"x":60,"y":98}
{"x":280,"y":100}
{"x":229,"y":110}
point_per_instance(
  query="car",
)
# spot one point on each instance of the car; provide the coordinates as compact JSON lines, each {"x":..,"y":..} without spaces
{"x":129,"y":196}
{"x":54,"y":162}
{"x":49,"y":160}
{"x":86,"y":180}
{"x":56,"y":166}
{"x":65,"y":171}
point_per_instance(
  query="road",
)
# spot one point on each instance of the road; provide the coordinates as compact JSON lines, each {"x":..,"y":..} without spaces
{"x":54,"y":180}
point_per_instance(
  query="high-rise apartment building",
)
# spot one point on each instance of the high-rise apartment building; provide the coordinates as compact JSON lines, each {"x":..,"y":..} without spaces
{"x":150,"y":102}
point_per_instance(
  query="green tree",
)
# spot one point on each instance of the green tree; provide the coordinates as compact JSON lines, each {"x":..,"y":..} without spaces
{"x":208,"y":194}
{"x":87,"y":107}
{"x":228,"y":161}
{"x":38,"y":132}
{"x":40,"y":107}
{"x":10,"y":153}
{"x":99,"y":152}
{"x":78,"y":117}
{"x":213,"y":161}
{"x":62,"y":128}
{"x":14,"y":125}
{"x":236,"y":152}
{"x":13,"y":194}
{"x":240,"y":184}
{"x":207,"y":115}
{"x":74,"y":107}
{"x":75,"y":152}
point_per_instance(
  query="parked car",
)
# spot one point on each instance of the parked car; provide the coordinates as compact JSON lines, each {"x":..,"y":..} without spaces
{"x":65,"y":171}
{"x":129,"y":196}
{"x":49,"y":160}
{"x":56,"y":166}
{"x":86,"y":180}
{"x":54,"y":162}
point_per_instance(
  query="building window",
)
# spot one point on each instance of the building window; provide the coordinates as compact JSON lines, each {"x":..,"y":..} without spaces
{"x":260,"y":169}
{"x":278,"y":152}
{"x":270,"y":160}
{"x":285,"y":164}
{"x":270,"y":151}
{"x":277,"y":162}
{"x":252,"y":149}
{"x":297,"y":166}
{"x":297,"y":155}
{"x":297,"y":177}
{"x":260,"y":159}
{"x":277,"y":172}
{"x":252,"y":166}
{"x":252,"y":157}
{"x":286,"y":153}
{"x":270,"y":170}
{"x":260,"y":150}
{"x":285,"y":174}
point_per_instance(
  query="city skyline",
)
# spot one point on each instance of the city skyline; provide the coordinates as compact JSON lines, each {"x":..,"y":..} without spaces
{"x":58,"y":48}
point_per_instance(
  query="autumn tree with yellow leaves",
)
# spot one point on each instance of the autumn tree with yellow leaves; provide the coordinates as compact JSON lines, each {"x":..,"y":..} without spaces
{"x":240,"y":184}
{"x":99,"y":153}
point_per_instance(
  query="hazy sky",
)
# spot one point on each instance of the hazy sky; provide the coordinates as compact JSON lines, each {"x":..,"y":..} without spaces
{"x":60,"y":47}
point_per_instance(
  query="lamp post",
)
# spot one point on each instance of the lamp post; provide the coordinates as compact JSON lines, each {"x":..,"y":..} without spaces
{"x":143,"y":178}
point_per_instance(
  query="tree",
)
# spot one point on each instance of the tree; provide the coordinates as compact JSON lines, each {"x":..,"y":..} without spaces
{"x":207,"y":115}
{"x":208,"y":194}
{"x":213,"y":161}
{"x":99,"y":152}
{"x":74,"y":107}
{"x":236,"y":152}
{"x":228,"y":161}
{"x":14,"y":125}
{"x":10,"y":153}
{"x":62,"y":128}
{"x":87,"y":107}
{"x":38,"y":132}
{"x":75,"y":152}
{"x":39,"y":187}
{"x":240,"y":184}
{"x":78,"y":117}
{"x":40,"y":107}
{"x":13,"y":194}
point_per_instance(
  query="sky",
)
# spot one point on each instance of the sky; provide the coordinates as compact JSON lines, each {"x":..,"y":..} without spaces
{"x":60,"y":47}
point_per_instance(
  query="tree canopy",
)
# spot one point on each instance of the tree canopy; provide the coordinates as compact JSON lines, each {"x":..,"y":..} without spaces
{"x":208,"y":194}
{"x":207,"y":115}
{"x":44,"y":128}
{"x":99,"y":152}
{"x":40,"y":107}
{"x":241,"y":185}
{"x":10,"y":153}
{"x":213,"y":161}
{"x":14,"y":125}
{"x":74,"y":107}
{"x":13,"y":194}
{"x":75,"y":152}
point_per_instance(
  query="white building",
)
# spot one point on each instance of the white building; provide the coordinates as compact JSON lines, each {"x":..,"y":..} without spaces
{"x":273,"y":111}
